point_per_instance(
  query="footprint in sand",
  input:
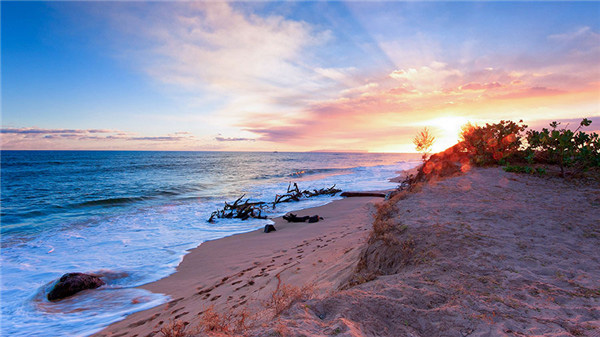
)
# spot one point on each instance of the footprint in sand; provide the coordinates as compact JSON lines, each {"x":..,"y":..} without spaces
{"x":208,"y":290}
{"x":180,"y":315}
{"x":176,"y":310}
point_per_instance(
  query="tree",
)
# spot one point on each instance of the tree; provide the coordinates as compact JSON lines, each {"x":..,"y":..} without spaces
{"x":423,"y":142}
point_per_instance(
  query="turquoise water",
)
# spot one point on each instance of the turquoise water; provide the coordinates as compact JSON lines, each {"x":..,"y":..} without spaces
{"x":131,"y":216}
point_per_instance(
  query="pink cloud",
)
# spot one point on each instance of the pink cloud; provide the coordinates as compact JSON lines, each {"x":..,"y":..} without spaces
{"x":531,"y":92}
{"x":474,"y":86}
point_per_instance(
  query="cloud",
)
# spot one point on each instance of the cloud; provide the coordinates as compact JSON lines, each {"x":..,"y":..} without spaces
{"x":25,"y":131}
{"x":40,"y":138}
{"x":583,"y":32}
{"x":217,"y":48}
{"x":435,"y":76}
{"x":478,"y":86}
{"x":159,"y":138}
{"x":230,"y":139}
{"x":531,"y":92}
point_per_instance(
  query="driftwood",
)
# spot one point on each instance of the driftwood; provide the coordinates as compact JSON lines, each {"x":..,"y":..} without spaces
{"x":239,"y":210}
{"x":247,"y":209}
{"x":362,"y":194}
{"x":294,"y":194}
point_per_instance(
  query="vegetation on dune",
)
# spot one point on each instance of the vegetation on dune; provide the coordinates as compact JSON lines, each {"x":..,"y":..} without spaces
{"x":576,"y":151}
{"x":521,"y":150}
{"x":505,"y":143}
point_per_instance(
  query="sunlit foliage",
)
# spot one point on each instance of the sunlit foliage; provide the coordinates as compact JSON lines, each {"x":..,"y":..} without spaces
{"x":492,"y":143}
{"x":505,"y":142}
{"x":423,"y":142}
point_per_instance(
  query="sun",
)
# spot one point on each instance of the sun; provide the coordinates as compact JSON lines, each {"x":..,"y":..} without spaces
{"x":446,"y":131}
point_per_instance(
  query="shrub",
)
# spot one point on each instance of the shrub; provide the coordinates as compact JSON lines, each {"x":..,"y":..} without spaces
{"x":492,"y":143}
{"x":576,"y":149}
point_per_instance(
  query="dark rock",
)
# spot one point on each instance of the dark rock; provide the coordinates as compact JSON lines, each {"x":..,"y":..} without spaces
{"x":314,"y":218}
{"x":72,"y":283}
{"x":294,"y":218}
{"x":269,"y":228}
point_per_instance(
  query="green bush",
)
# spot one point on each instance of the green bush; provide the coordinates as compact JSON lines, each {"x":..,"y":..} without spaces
{"x":568,"y":149}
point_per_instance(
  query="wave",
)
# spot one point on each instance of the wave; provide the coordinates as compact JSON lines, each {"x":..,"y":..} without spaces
{"x":111,"y":201}
{"x":119,"y":201}
{"x":303,"y":172}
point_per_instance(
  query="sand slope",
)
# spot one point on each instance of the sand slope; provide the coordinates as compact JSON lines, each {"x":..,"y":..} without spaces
{"x":497,"y":254}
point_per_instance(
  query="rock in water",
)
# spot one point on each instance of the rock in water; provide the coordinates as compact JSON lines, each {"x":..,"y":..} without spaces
{"x":269,"y":228}
{"x":72,"y":283}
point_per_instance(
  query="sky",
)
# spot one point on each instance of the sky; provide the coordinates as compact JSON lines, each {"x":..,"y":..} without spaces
{"x":289,"y":76}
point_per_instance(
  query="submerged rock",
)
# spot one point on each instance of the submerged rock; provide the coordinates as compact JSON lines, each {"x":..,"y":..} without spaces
{"x":72,"y":283}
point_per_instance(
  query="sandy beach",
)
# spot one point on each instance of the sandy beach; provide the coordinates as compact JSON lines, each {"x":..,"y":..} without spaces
{"x":487,"y":253}
{"x":241,"y":270}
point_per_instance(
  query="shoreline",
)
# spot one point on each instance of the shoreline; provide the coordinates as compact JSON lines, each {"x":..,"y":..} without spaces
{"x":243,"y":269}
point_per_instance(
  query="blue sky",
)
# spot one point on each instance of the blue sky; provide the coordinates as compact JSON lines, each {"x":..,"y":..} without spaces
{"x":288,"y":75}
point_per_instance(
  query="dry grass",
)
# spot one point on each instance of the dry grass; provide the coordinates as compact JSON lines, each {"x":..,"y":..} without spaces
{"x":388,"y":247}
{"x":224,"y":324}
{"x":212,"y":321}
{"x":286,"y":295}
{"x":175,"y":328}
{"x":282,"y":330}
{"x":385,"y":226}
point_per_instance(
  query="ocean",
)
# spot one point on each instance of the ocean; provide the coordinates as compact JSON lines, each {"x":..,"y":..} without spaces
{"x":132,"y":216}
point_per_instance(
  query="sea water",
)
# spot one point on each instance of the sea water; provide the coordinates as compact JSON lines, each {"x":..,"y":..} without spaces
{"x":132,"y":216}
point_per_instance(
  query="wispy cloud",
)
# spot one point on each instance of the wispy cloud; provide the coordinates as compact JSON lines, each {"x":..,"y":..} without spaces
{"x":474,"y":86}
{"x":40,"y":138}
{"x":159,"y":138}
{"x":25,"y":131}
{"x":234,"y":139}
{"x":215,"y":49}
{"x":581,"y":33}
